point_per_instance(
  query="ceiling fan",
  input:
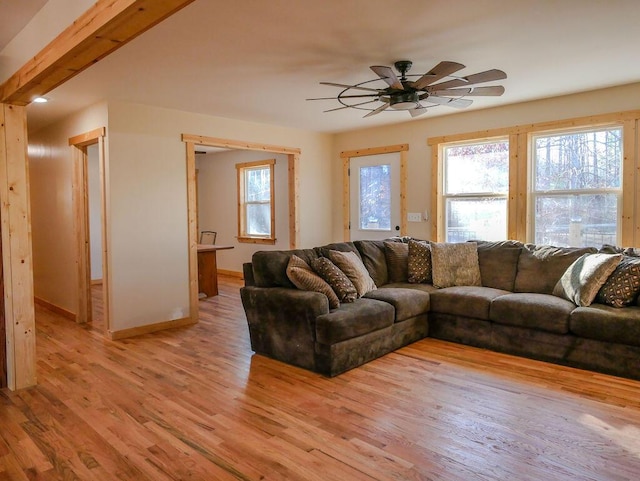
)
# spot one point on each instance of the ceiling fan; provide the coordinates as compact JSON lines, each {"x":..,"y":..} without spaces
{"x":416,"y":96}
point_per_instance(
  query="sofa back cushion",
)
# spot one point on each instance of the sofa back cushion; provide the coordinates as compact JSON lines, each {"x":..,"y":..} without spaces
{"x":373,"y":256}
{"x":499,"y":263}
{"x":541,"y":266}
{"x":270,"y":267}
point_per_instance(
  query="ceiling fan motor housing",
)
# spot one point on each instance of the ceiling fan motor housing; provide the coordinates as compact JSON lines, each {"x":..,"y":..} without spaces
{"x":405,"y":100}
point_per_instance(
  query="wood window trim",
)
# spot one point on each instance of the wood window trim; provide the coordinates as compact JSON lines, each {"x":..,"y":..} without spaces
{"x":241,"y":168}
{"x":519,"y":151}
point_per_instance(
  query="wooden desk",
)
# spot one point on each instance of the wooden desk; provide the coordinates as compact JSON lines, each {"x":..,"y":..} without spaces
{"x":208,"y":268}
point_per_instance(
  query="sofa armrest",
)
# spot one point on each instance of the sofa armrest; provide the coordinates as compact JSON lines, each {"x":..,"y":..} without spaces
{"x":282,"y":322}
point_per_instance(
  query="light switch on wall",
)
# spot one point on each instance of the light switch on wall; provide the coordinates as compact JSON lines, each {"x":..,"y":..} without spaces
{"x":414,"y":217}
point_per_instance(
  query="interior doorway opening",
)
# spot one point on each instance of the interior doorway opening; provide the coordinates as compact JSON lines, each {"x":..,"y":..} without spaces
{"x":90,"y":216}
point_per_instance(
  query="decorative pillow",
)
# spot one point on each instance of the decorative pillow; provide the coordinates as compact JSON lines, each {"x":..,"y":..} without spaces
{"x":623,"y":286}
{"x":583,"y":279}
{"x":455,"y":264}
{"x":305,"y":279}
{"x":419,"y":262}
{"x":352,"y":266}
{"x":338,"y":280}
{"x":397,"y":254}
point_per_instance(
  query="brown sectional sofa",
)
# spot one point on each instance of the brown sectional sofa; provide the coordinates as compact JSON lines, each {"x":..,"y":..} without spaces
{"x":513,"y":311}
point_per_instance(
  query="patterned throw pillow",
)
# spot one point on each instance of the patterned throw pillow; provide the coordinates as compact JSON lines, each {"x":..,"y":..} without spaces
{"x":397,"y":254}
{"x":305,"y":279}
{"x":419,"y":262}
{"x":583,"y":279}
{"x":338,"y":280}
{"x":623,"y":286}
{"x":455,"y":264}
{"x":352,"y":266}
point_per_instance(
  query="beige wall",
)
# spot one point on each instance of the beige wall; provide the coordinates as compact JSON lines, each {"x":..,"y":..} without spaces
{"x":53,"y":230}
{"x":218,"y":198}
{"x":416,"y":133}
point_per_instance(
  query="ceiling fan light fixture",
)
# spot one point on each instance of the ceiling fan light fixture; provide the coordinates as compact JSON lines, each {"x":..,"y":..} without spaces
{"x":405,"y":101}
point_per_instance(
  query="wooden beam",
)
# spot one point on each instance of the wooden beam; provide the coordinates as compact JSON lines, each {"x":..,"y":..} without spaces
{"x":105,"y":27}
{"x":16,"y":248}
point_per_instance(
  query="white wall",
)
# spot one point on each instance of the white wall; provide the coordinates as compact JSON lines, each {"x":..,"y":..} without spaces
{"x":148,"y":203}
{"x":52,"y":219}
{"x":218,"y":200}
{"x":415,"y":133}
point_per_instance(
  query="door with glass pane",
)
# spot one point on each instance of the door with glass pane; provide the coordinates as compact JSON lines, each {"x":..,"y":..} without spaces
{"x":374,"y":186}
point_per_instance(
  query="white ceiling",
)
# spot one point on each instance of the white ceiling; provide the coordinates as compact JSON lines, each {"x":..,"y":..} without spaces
{"x":259,"y":60}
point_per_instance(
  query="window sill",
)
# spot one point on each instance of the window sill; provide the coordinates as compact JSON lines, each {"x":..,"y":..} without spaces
{"x":256,"y":240}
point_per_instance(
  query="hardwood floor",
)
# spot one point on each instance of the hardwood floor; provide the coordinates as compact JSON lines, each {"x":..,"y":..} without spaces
{"x":193,"y":403}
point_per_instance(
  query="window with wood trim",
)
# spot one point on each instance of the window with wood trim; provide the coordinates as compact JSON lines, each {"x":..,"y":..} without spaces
{"x":256,"y":202}
{"x":475,"y":190}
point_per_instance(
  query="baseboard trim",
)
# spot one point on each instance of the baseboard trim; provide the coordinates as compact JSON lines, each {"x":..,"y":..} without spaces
{"x":96,"y":282}
{"x":160,"y":326}
{"x":224,"y":272}
{"x":57,"y":309}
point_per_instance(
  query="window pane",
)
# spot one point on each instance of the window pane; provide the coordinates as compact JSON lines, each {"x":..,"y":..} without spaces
{"x":580,"y":160}
{"x":576,"y":220}
{"x":479,"y":218}
{"x":375,"y":197}
{"x":259,"y":219}
{"x":257,"y":185}
{"x":477,"y":168}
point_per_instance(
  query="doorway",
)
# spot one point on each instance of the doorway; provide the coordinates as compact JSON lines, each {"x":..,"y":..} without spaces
{"x":374,"y":192}
{"x":90,"y":220}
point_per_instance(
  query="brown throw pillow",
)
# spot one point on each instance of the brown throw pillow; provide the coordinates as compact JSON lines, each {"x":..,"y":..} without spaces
{"x":583,"y":279}
{"x":419,"y":263}
{"x":397,"y":254}
{"x":623,"y":286}
{"x":299,"y":272}
{"x":338,"y":280}
{"x":455,"y":264}
{"x":352,"y":266}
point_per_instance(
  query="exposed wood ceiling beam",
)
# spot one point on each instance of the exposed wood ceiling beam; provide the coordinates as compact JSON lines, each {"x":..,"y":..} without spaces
{"x":105,"y":27}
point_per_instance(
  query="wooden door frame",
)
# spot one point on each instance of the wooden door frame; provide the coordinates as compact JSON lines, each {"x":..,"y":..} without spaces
{"x":293,"y":159}
{"x":346,"y":157}
{"x":79,"y":145}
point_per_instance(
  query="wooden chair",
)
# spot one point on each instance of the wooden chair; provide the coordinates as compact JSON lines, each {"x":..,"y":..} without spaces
{"x":208,"y":237}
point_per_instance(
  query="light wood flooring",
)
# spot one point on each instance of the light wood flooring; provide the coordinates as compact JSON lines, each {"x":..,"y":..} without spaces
{"x":195,"y":404}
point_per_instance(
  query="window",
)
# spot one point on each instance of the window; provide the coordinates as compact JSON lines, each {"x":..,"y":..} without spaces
{"x":576,"y":187}
{"x":256,"y":209}
{"x":476,"y":185}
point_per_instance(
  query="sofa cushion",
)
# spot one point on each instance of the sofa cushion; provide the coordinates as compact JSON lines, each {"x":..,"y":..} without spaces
{"x":351,"y":264}
{"x":338,"y":280}
{"x":623,"y":285}
{"x":270,"y":267}
{"x":533,"y":311}
{"x":585,"y":276}
{"x":419,"y":264}
{"x":468,"y":301}
{"x":540,"y":267}
{"x":499,"y":263}
{"x":397,"y":254}
{"x":374,"y":259}
{"x":455,"y":264}
{"x":406,"y":302}
{"x":409,"y":285}
{"x":352,"y":320}
{"x":303,"y":277}
{"x":606,"y":323}
{"x":336,"y":246}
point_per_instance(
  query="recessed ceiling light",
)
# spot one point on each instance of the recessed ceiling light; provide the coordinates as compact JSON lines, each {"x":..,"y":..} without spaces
{"x":41,"y":100}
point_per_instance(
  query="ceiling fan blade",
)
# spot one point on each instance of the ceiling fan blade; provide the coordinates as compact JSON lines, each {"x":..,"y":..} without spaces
{"x":351,"y":87}
{"x":456,"y":103}
{"x":345,"y":97}
{"x":377,"y":111}
{"x":477,"y":91}
{"x":436,"y":73}
{"x":352,"y":105}
{"x":487,"y":76}
{"x":387,"y":74}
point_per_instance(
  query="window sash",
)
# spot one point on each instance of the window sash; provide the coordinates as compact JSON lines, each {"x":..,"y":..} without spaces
{"x":245,"y":231}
